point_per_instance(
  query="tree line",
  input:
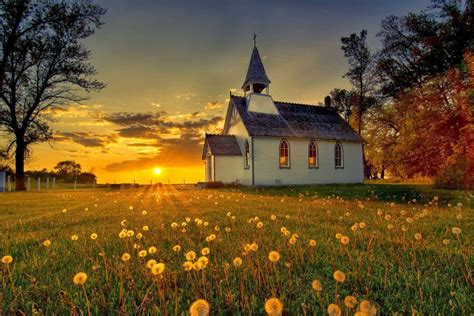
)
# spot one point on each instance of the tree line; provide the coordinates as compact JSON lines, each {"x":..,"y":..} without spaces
{"x":412,"y":100}
{"x":67,"y":171}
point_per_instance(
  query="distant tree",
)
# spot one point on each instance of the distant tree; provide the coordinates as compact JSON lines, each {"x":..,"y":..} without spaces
{"x":43,"y":65}
{"x":68,"y":169}
{"x":86,"y":177}
{"x":361,"y":73}
{"x":343,"y":101}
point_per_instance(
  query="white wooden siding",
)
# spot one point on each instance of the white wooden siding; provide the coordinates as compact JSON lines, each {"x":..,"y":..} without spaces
{"x":268,"y":172}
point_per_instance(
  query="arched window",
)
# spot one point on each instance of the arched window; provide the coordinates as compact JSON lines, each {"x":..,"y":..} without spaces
{"x":284,"y":154}
{"x":247,"y":155}
{"x":312,"y":154}
{"x":338,"y":156}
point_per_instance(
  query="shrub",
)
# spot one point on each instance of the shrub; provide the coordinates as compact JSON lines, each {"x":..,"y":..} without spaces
{"x":454,"y":175}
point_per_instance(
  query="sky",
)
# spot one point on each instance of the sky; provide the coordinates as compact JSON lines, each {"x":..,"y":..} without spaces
{"x":169,"y":67}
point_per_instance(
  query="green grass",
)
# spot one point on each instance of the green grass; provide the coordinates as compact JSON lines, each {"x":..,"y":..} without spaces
{"x":391,"y":269}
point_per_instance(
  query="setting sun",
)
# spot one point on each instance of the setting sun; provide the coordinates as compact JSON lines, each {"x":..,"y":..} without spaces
{"x":157,"y":170}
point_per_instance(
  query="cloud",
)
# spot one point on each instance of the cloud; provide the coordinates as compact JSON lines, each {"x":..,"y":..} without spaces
{"x":76,"y":111}
{"x":86,"y":139}
{"x":188,"y":96}
{"x":214,"y":105}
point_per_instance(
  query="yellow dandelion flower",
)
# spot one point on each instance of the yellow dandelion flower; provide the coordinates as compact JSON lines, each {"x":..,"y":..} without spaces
{"x":74,"y":237}
{"x":350,"y":301}
{"x":204,"y":260}
{"x":273,"y":217}
{"x":237,"y":262}
{"x":174,"y":225}
{"x":158,"y":268}
{"x":122,"y":234}
{"x":7,"y":259}
{"x":80,"y":278}
{"x":362,"y":225}
{"x":205,"y":251}
{"x":274,"y":256}
{"x":445,"y":242}
{"x":292,"y":241}
{"x":418,"y":236}
{"x":367,"y":308}
{"x":93,"y":236}
{"x":344,"y":240}
{"x":312,"y":243}
{"x":177,"y":248}
{"x":389,"y":226}
{"x":130,"y":233}
{"x":198,"y":265}
{"x":456,"y":230}
{"x":316,"y":285}
{"x":338,"y":236}
{"x":150,"y":263}
{"x":388,"y":217}
{"x":339,"y":276}
{"x":199,"y":308}
{"x":142,"y":253}
{"x":354,"y":227}
{"x":227,"y":229}
{"x":123,"y":222}
{"x":273,"y":307}
{"x":139,"y":236}
{"x":190,"y":255}
{"x":47,"y":243}
{"x":188,"y":266}
{"x":145,"y":228}
{"x":259,"y":225}
{"x":144,"y":212}
{"x":334,"y":310}
{"x":152,"y":249}
{"x":125,"y":257}
{"x":254,"y":246}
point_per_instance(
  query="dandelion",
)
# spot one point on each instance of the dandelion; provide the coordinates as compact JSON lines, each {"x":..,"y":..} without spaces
{"x":125,"y":257}
{"x":93,"y":236}
{"x":145,"y":228}
{"x":80,"y":278}
{"x":456,"y":230}
{"x":339,"y":276}
{"x":418,"y":236}
{"x":338,"y":236}
{"x":445,"y":242}
{"x":158,"y":268}
{"x":312,"y":243}
{"x":205,"y":251}
{"x":334,"y":310}
{"x":316,"y":285}
{"x":379,"y":212}
{"x":199,"y":308}
{"x":74,"y":237}
{"x":273,"y":217}
{"x":344,"y":240}
{"x":368,"y":308}
{"x":198,"y":265}
{"x":177,"y":248}
{"x":130,"y":233}
{"x":254,"y":246}
{"x":188,"y":266}
{"x":122,"y":234}
{"x":123,"y":222}
{"x":362,"y":225}
{"x":142,"y":253}
{"x":389,"y":226}
{"x":150,"y":263}
{"x":237,"y":262}
{"x":292,"y":241}
{"x":174,"y":225}
{"x":139,"y":236}
{"x":152,"y":250}
{"x":273,"y":307}
{"x":259,"y":225}
{"x":144,"y":212}
{"x":47,"y":243}
{"x":350,"y":301}
{"x":388,"y":217}
{"x":227,"y":229}
{"x":7,"y":259}
{"x":190,"y":255}
{"x":274,"y":256}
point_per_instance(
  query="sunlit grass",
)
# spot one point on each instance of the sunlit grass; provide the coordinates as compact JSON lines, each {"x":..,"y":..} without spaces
{"x":241,"y":251}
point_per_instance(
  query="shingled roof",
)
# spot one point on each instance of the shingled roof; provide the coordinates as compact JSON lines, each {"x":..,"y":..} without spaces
{"x":256,"y":71}
{"x":296,"y":120}
{"x":221,"y":145}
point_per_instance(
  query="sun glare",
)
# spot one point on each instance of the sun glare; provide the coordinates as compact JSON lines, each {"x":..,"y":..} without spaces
{"x":157,"y":170}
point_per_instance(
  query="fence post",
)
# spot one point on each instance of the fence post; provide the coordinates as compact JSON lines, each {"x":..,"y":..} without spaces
{"x":47,"y":184}
{"x":93,"y":184}
{"x":38,"y":184}
{"x":9,"y":179}
{"x":54,"y":183}
{"x":75,"y":184}
{"x":28,"y":183}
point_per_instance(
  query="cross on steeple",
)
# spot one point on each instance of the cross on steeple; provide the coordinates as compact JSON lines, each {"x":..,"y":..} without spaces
{"x":254,"y":40}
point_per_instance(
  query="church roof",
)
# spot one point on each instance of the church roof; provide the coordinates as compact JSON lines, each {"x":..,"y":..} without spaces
{"x":256,"y":71}
{"x":296,"y":120}
{"x":221,"y":145}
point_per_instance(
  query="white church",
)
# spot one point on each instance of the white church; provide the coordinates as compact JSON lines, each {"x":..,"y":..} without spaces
{"x":267,"y":142}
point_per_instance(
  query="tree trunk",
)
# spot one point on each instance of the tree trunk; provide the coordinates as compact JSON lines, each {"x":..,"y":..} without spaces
{"x":20,"y":164}
{"x":382,"y":173}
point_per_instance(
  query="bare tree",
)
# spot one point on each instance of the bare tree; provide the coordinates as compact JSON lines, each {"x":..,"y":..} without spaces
{"x":43,"y":65}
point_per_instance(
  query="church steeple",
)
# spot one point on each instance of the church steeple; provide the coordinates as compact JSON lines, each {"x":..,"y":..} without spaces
{"x":256,"y":79}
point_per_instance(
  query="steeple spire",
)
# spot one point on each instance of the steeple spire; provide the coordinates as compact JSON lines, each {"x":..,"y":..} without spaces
{"x":256,"y":79}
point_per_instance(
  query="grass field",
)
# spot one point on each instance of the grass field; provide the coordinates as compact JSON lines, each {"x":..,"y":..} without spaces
{"x":401,"y":250}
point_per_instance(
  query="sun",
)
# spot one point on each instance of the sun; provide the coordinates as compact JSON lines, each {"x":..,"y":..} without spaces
{"x":157,"y":170}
